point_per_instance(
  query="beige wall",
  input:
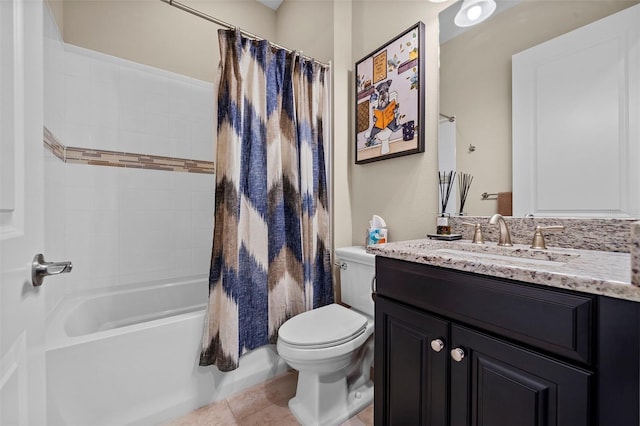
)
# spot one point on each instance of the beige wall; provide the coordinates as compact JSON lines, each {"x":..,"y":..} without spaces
{"x":153,"y":33}
{"x":475,"y":84}
{"x":402,"y":190}
{"x":342,"y":64}
{"x":306,"y":25}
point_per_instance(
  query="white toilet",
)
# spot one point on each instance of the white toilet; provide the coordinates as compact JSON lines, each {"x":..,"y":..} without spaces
{"x":332,"y":347}
{"x":384,"y":137}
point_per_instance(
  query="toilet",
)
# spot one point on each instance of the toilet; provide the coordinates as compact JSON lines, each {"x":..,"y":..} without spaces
{"x":332,"y":347}
{"x":384,"y":137}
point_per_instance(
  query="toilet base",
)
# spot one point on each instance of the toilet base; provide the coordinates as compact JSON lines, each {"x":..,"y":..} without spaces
{"x":336,"y":404}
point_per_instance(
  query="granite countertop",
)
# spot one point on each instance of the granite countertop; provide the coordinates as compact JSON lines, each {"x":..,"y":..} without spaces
{"x":588,"y":271}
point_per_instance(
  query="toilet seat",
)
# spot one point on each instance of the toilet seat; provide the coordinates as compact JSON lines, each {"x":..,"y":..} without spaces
{"x":324,"y":327}
{"x":332,"y":348}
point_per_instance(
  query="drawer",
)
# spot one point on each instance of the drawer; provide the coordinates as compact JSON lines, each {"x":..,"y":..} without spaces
{"x":554,"y":321}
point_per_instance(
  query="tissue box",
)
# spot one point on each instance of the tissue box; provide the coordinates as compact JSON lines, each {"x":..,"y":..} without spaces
{"x":376,"y":236}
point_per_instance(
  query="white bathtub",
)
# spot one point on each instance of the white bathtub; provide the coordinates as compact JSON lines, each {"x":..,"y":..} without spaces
{"x":131,"y":357}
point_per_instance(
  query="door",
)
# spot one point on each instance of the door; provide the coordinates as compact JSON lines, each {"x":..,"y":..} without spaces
{"x":410,"y":366}
{"x":494,"y":383}
{"x":22,"y":361}
{"x":576,"y":122}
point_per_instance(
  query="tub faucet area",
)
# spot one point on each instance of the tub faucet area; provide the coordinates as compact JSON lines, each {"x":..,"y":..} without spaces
{"x":505,"y":236}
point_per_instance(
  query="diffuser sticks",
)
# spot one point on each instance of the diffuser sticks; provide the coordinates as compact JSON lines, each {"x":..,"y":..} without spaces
{"x":464,"y":183}
{"x":445,"y":181}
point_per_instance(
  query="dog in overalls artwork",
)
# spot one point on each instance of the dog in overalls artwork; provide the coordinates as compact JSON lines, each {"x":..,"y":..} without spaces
{"x":385,"y":115}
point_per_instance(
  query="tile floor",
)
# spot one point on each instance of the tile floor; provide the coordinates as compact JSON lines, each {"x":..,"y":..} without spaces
{"x":264,"y":404}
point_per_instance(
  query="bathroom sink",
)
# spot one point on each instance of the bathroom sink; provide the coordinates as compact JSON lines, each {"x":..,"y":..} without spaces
{"x":519,"y":251}
{"x":517,"y":255}
{"x":518,"y":258}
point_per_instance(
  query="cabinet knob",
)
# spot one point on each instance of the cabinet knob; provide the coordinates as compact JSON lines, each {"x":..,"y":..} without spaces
{"x":437,"y":345}
{"x":457,"y":354}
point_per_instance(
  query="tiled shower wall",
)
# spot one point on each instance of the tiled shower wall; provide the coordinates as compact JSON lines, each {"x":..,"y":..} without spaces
{"x":118,"y":225}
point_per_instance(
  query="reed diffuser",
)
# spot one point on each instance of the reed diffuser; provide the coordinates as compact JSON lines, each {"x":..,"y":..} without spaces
{"x":464,"y":183}
{"x":445,"y":183}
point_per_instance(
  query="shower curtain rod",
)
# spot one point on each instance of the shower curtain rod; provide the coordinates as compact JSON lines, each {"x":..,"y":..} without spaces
{"x":227,"y":25}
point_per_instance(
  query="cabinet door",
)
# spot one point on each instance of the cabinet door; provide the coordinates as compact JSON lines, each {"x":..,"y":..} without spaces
{"x":410,"y":376}
{"x":498,"y":384}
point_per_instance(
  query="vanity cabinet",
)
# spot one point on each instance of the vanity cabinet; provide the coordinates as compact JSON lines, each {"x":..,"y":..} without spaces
{"x":462,"y":349}
{"x":415,"y":382}
{"x":497,"y":383}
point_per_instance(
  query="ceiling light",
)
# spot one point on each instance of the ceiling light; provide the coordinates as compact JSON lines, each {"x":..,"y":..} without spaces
{"x":473,"y":12}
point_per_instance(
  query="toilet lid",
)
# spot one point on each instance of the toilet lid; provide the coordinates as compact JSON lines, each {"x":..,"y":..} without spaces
{"x":327,"y":326}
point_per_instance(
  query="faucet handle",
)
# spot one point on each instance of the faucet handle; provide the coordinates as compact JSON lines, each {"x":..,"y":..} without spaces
{"x":478,"y":238}
{"x":538,"y":236}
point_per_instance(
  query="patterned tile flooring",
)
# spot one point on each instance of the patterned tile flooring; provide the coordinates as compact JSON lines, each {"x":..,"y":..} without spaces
{"x":264,"y":404}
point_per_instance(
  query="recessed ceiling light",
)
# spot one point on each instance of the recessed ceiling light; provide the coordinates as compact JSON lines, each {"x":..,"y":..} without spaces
{"x":473,"y":12}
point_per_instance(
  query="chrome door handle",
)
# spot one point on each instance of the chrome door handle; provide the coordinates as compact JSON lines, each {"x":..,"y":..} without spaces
{"x":41,"y":269}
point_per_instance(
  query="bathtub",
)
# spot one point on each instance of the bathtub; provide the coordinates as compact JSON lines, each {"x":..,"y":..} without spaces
{"x":130,"y":356}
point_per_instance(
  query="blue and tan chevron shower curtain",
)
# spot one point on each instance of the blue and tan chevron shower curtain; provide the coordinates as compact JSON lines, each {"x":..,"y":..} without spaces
{"x":270,"y":258}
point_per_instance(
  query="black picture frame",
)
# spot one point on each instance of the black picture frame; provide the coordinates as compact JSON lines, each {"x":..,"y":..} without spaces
{"x":389,"y":98}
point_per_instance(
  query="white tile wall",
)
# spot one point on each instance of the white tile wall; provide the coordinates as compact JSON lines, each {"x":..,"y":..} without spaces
{"x":55,"y":224}
{"x":133,"y":225}
{"x":119,"y":105}
{"x":55,"y":190}
{"x":120,"y":226}
{"x":53,"y":57}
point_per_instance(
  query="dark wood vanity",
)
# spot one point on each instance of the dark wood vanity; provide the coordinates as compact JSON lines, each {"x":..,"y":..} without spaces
{"x":463,"y":349}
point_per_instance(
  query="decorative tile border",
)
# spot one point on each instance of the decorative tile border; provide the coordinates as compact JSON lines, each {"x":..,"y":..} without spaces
{"x":53,"y":144}
{"x":98,"y":157}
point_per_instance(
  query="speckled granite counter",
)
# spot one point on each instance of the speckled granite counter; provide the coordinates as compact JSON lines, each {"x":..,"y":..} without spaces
{"x":635,"y":254}
{"x":604,"y":234}
{"x":589,"y":271}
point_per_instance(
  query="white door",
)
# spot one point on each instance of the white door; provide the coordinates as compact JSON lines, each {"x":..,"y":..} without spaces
{"x":576,"y":122}
{"x":22,"y":307}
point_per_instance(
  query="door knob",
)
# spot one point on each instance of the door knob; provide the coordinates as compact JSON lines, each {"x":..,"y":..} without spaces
{"x":457,"y":354}
{"x":41,"y":269}
{"x":437,"y":345}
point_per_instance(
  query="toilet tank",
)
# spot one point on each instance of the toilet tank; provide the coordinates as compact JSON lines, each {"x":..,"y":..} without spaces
{"x":356,"y":273}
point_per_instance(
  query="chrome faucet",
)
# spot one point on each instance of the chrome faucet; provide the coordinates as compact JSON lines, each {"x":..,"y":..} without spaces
{"x":505,"y":236}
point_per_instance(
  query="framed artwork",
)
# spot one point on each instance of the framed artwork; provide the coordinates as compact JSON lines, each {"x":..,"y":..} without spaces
{"x":389,"y":99}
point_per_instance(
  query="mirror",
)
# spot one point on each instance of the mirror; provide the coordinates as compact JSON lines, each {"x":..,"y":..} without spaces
{"x":475,"y":82}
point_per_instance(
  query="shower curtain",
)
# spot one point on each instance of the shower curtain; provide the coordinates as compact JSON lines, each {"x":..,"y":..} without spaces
{"x":270,"y":257}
